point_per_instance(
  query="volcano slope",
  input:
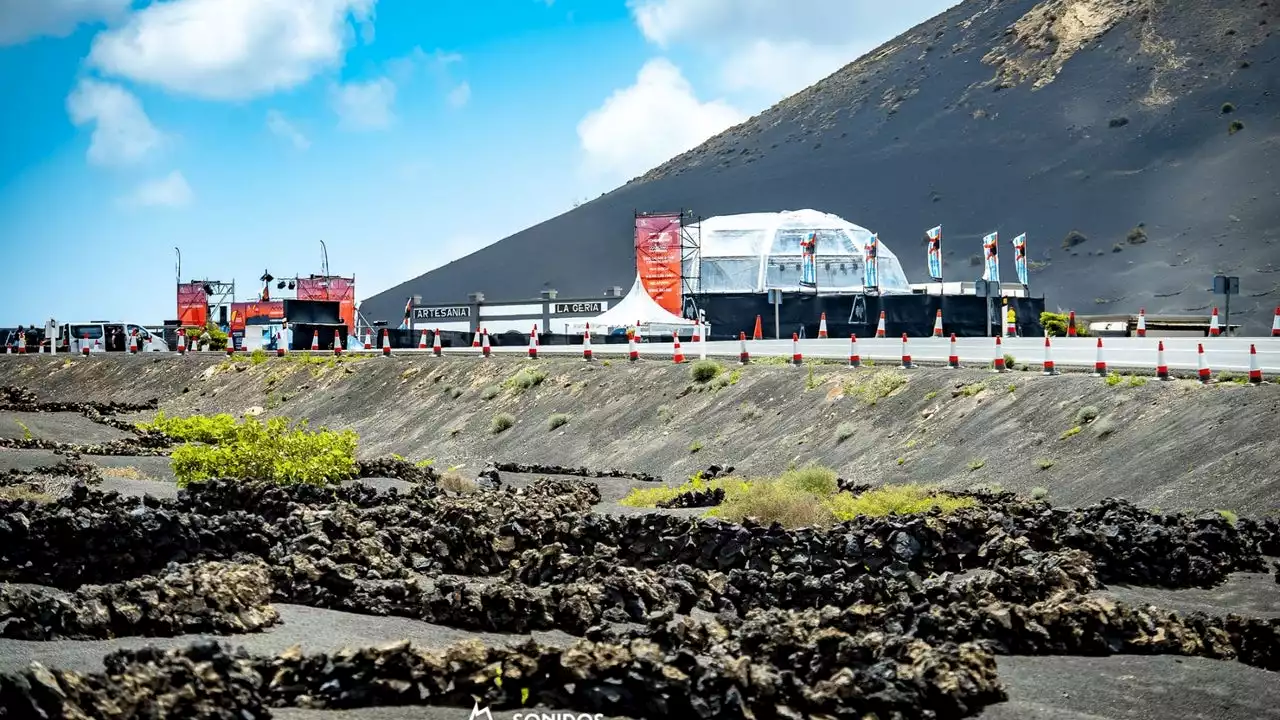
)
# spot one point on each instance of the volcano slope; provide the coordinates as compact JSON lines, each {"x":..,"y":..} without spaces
{"x":1134,"y":141}
{"x":524,"y":592}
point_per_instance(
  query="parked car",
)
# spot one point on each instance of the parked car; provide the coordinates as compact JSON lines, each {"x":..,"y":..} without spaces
{"x":108,"y":336}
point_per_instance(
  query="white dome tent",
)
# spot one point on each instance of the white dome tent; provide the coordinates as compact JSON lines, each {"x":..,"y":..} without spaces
{"x":638,"y":306}
{"x":757,"y":252}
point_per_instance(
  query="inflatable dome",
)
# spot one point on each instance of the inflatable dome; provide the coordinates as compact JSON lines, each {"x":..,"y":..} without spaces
{"x":756,"y":252}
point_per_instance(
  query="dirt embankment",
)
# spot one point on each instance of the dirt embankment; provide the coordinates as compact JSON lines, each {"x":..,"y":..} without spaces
{"x":1175,"y":446}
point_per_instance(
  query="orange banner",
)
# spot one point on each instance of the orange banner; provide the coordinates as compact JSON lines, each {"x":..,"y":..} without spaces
{"x":658,"y":259}
{"x":193,"y":305}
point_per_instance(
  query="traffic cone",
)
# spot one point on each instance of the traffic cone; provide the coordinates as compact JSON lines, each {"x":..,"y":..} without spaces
{"x":435,"y":344}
{"x":1142,"y":322}
{"x":1255,"y":370}
{"x":1275,"y":324}
{"x":906,"y":353}
{"x":998,"y":360}
{"x":633,"y":352}
{"x":97,"y":345}
{"x":133,"y":345}
{"x":475,"y":343}
{"x":386,"y":343}
{"x":22,"y":344}
{"x":1162,"y":370}
{"x":758,"y":333}
{"x":484,"y":343}
{"x":1214,"y":330}
{"x":1202,"y":365}
{"x":796,"y":358}
{"x":1049,"y":368}
{"x":282,"y":342}
{"x":1100,"y":365}
{"x":231,"y":346}
{"x":84,"y":345}
{"x":822,"y":326}
{"x":422,"y":341}
{"x":315,"y":341}
{"x":337,"y":341}
{"x":937,"y":324}
{"x":677,"y":354}
{"x":880,"y":326}
{"x":697,"y":333}
{"x":1071,"y":324}
{"x":953,"y":359}
{"x":182,"y":343}
{"x":855,"y":360}
{"x":743,"y":356}
{"x":586,"y":345}
{"x":533,"y":343}
{"x":368,"y":341}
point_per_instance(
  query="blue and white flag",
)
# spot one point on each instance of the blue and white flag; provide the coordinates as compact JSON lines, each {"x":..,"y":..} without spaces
{"x":1020,"y":257}
{"x":870,"y":271}
{"x":935,"y":252}
{"x":990,"y":252}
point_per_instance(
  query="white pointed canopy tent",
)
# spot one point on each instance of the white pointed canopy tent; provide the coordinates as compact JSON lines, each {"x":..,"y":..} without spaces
{"x":638,"y":306}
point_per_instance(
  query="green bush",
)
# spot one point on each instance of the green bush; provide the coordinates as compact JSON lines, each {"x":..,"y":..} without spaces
{"x":501,"y":422}
{"x":812,"y":478}
{"x":896,"y":500}
{"x":196,"y":428}
{"x":1086,"y":414}
{"x":273,"y":451}
{"x":557,"y":420}
{"x":1056,"y":324}
{"x":490,"y":392}
{"x":705,"y":370}
{"x":1039,"y":493}
{"x":526,"y":379}
{"x":217,"y":338}
{"x":258,"y":356}
{"x":844,"y":431}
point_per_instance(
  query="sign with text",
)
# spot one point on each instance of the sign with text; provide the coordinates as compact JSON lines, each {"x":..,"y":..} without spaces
{"x":658,"y":259}
{"x":577,"y":308}
{"x":442,"y":313}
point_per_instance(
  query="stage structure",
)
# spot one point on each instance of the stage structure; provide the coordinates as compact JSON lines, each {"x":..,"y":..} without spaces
{"x":667,"y":247}
{"x":200,"y":301}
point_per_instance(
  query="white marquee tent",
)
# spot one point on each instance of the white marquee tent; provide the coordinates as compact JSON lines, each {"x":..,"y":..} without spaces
{"x":639,"y":306}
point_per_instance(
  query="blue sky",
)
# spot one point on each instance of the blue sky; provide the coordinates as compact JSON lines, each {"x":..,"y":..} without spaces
{"x":403,"y":133}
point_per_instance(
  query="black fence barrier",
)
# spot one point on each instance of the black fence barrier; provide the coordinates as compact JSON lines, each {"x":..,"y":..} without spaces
{"x":964,"y":315}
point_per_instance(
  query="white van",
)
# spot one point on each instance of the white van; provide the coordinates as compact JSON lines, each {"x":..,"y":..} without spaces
{"x":109,"y":337}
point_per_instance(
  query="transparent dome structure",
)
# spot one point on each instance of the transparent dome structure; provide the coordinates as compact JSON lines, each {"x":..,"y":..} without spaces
{"x":756,"y":252}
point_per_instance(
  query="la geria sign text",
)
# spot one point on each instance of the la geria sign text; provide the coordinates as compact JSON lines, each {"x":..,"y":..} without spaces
{"x":578,"y":307}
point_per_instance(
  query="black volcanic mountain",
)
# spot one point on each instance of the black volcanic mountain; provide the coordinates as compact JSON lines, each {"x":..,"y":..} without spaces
{"x":1137,"y":142}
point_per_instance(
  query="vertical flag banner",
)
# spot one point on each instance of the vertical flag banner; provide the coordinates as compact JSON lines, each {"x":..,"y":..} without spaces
{"x":408,"y":308}
{"x":989,"y":251}
{"x":1020,"y":257}
{"x":870,"y":274}
{"x":808,"y":264}
{"x":658,"y":259}
{"x":935,"y":252}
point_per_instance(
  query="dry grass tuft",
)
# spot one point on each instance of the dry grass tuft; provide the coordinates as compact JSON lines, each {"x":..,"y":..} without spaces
{"x":454,"y":482}
{"x":127,"y":472}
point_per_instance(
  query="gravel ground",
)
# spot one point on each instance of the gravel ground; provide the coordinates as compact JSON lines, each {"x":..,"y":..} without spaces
{"x":58,"y":427}
{"x":1252,"y":594}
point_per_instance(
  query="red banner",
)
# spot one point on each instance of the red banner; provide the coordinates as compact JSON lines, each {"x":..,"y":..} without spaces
{"x":658,"y":256}
{"x":334,"y":289}
{"x":242,"y":313}
{"x":193,"y":305}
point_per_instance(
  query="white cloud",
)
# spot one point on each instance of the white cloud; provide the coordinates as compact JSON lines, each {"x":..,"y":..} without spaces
{"x":123,"y":133}
{"x":460,"y":95}
{"x":23,"y":20}
{"x":643,"y":125}
{"x":171,"y":190}
{"x":779,"y":46}
{"x":278,"y":124}
{"x":230,"y":49}
{"x":364,"y":105}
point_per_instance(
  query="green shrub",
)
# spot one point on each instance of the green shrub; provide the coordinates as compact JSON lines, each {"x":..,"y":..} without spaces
{"x":1113,"y":379}
{"x":258,"y":356}
{"x":1039,"y":493}
{"x":704,"y":371}
{"x":501,"y":422}
{"x":1137,"y":381}
{"x":1086,"y":414}
{"x":976,"y":464}
{"x":557,"y":420}
{"x":695,"y":446}
{"x":217,"y":338}
{"x":666,"y":414}
{"x":196,"y":428}
{"x":1010,"y":361}
{"x":1229,"y":516}
{"x":1056,"y":324}
{"x":490,"y":392}
{"x":972,"y":389}
{"x":844,"y":431}
{"x":931,"y":395}
{"x":896,"y":500}
{"x":274,"y":451}
{"x":1103,"y":427}
{"x":652,"y":496}
{"x":526,"y":379}
{"x":1044,"y":463}
{"x":1071,"y":432}
{"x":812,"y":478}
{"x":871,"y":386}
{"x":26,"y":431}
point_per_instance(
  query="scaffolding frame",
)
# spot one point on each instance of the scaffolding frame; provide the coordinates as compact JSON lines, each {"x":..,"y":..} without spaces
{"x":690,"y":231}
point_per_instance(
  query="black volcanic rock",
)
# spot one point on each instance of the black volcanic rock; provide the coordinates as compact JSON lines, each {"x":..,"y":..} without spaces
{"x":1093,"y":132}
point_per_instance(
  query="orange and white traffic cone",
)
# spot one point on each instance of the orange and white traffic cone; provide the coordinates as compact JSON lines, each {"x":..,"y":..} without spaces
{"x":133,"y":343}
{"x":475,"y":343}
{"x":1071,"y":324}
{"x":315,"y":341}
{"x":1275,"y":324}
{"x":906,"y":353}
{"x":97,"y":345}
{"x":436,"y":349}
{"x":937,"y":324}
{"x":1142,"y":322}
{"x":1100,"y":364}
{"x":231,"y":346}
{"x":337,"y":341}
{"x":822,"y":326}
{"x":743,"y":356}
{"x":422,"y":340}
{"x":586,"y":344}
{"x":758,"y":332}
{"x":22,"y":344}
{"x":368,"y":341}
{"x":855,"y":360}
{"x":282,"y":342}
{"x":880,"y":326}
{"x":1162,"y":368}
{"x":677,"y":354}
{"x":796,"y":358}
{"x":633,"y":350}
{"x":533,"y":343}
{"x":1255,"y":370}
{"x":997,"y":362}
{"x":484,"y":343}
{"x":182,"y":343}
{"x":386,"y":343}
{"x":1049,"y":368}
{"x":1202,"y":365}
{"x":84,"y":345}
{"x":697,"y":333}
{"x":1214,"y":330}
{"x":953,"y":358}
